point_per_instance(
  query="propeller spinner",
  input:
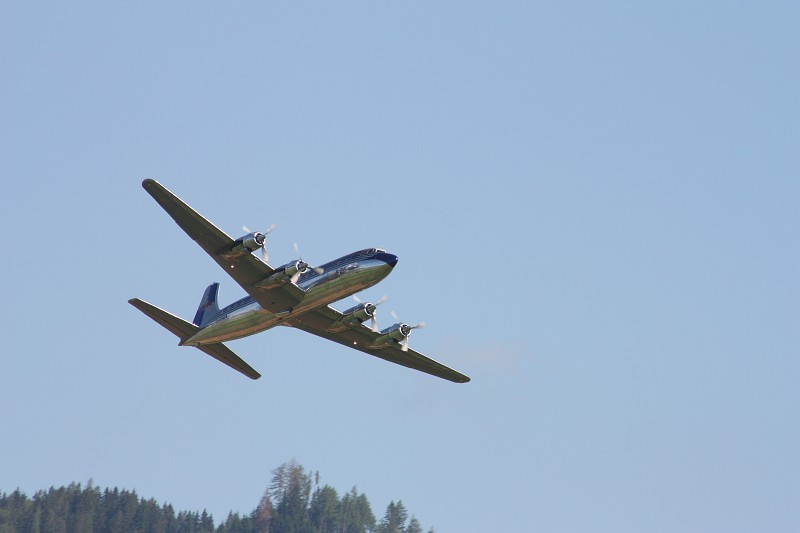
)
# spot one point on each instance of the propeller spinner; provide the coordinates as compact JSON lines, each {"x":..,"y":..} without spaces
{"x":261,"y":239}
{"x":405,"y":331}
{"x":302,"y":266}
{"x":370,"y":309}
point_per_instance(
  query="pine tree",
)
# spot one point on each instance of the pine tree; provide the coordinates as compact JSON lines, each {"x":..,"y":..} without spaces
{"x":206,"y":522}
{"x":16,"y":512}
{"x":395,"y":518}
{"x":325,"y":509}
{"x":168,"y":514}
{"x":85,"y":507}
{"x":236,"y":524}
{"x":291,"y":489}
{"x":262,"y":514}
{"x":413,"y":525}
{"x":356,"y":513}
{"x":56,"y":511}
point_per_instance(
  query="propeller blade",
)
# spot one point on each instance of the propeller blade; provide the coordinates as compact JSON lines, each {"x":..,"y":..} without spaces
{"x":265,"y":232}
{"x":374,"y":321}
{"x":376,"y":304}
{"x":318,"y":270}
{"x":404,"y":342}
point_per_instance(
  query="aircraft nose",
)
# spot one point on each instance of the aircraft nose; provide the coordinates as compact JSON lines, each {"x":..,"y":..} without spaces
{"x":389,"y":259}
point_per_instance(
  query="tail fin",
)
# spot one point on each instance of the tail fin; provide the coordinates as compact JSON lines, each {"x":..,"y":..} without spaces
{"x":208,"y":308}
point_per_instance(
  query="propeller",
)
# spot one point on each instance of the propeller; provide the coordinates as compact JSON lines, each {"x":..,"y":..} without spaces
{"x":303,"y":266}
{"x":261,"y":238}
{"x":370,"y":308}
{"x":405,"y":330}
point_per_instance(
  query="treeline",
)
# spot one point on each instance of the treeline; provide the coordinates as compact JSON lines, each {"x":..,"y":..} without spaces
{"x":293,"y":503}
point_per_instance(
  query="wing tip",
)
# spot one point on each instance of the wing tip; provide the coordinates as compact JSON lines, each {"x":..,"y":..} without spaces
{"x":249,"y":372}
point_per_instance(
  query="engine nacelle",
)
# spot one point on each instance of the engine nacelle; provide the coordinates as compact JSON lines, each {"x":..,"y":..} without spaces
{"x":252,"y":241}
{"x":294,"y":268}
{"x":249,"y":243}
{"x":361,"y":312}
{"x":288,"y":272}
{"x":397,"y":333}
{"x":354,"y":316}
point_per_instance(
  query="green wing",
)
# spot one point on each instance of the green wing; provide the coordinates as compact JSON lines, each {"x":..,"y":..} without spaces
{"x":319,"y":322}
{"x":246,"y":269}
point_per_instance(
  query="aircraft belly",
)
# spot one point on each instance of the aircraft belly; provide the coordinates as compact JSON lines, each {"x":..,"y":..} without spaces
{"x":345,"y":284}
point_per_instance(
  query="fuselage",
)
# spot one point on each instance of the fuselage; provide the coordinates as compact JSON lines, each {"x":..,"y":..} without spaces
{"x":339,"y":279}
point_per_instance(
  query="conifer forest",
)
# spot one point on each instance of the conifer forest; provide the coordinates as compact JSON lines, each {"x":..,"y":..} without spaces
{"x":294,"y":502}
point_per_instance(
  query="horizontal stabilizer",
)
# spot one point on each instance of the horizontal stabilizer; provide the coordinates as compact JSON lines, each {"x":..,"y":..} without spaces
{"x":222,"y":353}
{"x":176,"y":325}
{"x":184,"y":330}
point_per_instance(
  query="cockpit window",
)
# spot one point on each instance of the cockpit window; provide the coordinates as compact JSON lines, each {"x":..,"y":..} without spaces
{"x":378,"y":251}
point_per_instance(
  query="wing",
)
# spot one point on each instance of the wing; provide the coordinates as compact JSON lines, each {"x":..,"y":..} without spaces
{"x":246,"y":269}
{"x":359,"y":337}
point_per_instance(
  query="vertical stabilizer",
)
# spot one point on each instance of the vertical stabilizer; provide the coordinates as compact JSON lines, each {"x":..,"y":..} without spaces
{"x":208,"y":308}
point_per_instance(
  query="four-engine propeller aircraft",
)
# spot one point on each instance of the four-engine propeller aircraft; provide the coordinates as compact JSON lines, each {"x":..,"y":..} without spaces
{"x":295,"y":295}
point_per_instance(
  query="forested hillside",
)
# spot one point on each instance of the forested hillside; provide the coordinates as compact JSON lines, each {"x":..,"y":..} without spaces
{"x":293,"y":503}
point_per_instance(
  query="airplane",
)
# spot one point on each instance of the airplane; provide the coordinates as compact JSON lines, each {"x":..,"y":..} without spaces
{"x":294,"y":295}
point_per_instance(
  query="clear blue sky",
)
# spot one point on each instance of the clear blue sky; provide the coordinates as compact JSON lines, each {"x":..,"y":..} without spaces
{"x":596,"y":211}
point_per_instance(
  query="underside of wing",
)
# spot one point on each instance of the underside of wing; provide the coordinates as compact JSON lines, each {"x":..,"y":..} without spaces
{"x":245,"y":268}
{"x":329,"y":323}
